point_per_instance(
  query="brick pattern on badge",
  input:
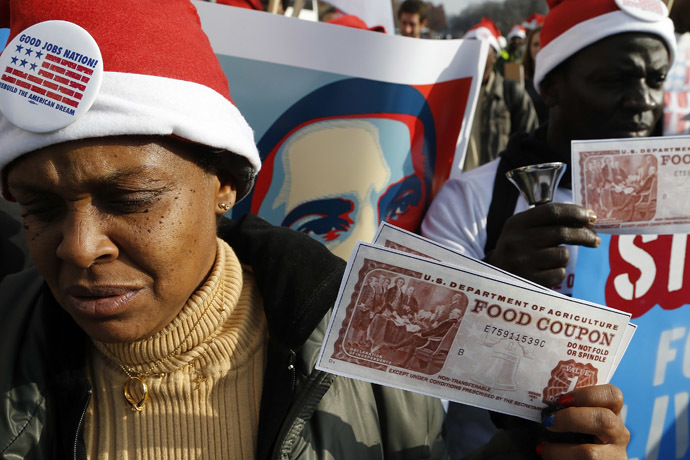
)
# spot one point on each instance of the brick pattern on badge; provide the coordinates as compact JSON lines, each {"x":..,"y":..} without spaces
{"x":51,"y":74}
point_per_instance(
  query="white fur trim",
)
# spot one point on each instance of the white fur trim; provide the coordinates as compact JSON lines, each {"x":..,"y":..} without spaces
{"x":588,"y":32}
{"x":482,"y":33}
{"x":133,"y":104}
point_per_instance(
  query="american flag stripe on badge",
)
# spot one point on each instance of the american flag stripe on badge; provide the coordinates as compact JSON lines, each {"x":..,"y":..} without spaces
{"x":57,"y":78}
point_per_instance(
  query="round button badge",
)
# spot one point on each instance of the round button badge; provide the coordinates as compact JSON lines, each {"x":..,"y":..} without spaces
{"x":51,"y":75}
{"x":644,"y":10}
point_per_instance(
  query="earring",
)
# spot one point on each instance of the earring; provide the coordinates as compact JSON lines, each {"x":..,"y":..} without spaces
{"x":224,"y":206}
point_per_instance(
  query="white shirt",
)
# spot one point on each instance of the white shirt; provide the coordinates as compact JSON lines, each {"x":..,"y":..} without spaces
{"x":457,"y":216}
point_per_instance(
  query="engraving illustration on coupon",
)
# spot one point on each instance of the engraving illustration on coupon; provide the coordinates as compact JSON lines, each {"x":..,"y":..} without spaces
{"x":397,"y":318}
{"x":620,"y":188}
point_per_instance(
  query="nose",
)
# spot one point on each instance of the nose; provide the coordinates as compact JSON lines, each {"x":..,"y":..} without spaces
{"x":641,"y":98}
{"x":85,"y":241}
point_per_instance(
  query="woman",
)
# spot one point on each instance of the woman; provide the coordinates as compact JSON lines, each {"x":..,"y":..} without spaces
{"x":528,"y":60}
{"x":156,"y":328}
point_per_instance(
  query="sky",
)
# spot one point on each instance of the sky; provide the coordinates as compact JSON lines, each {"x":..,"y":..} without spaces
{"x":453,"y":7}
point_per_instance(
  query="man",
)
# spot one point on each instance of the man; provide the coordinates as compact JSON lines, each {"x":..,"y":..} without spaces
{"x":515,"y":49}
{"x":503,"y":108}
{"x":600,"y":71}
{"x":409,"y":302}
{"x":412,"y":18}
{"x":364,"y":311}
{"x":394,"y":296}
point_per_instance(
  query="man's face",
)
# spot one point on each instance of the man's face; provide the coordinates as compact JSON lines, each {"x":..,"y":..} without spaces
{"x":410,"y":25}
{"x":123,"y":233}
{"x":611,"y":89}
{"x":335,"y":180}
{"x":516,"y":43}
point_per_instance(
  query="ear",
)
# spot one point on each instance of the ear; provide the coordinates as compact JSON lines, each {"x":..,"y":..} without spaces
{"x":226,"y":196}
{"x":551,"y":88}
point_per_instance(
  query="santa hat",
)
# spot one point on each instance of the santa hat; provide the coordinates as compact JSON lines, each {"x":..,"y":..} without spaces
{"x":102,"y":68}
{"x":533,"y":21}
{"x":572,"y":25}
{"x":485,"y":30}
{"x":350,"y":20}
{"x":517,"y":31}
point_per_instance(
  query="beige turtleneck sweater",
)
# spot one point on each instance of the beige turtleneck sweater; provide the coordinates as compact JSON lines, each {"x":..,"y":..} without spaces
{"x":207,"y":404}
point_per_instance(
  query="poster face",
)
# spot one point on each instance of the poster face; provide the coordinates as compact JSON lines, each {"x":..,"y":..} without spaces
{"x":353,"y":127}
{"x":649,"y":277}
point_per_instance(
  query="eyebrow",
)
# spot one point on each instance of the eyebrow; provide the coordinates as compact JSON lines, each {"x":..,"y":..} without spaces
{"x":112,"y":179}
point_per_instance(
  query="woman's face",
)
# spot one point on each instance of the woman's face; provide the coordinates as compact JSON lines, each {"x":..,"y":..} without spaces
{"x":123,"y":230}
{"x":534,"y":45}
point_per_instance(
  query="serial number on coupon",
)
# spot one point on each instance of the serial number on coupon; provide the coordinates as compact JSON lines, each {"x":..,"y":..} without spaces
{"x":510,"y":335}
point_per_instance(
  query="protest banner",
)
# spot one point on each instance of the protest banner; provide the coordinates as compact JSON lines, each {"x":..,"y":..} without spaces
{"x":647,"y":276}
{"x":353,"y":127}
{"x":372,"y":12}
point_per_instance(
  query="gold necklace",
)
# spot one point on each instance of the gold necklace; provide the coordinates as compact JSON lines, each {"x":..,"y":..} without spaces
{"x":137,"y":402}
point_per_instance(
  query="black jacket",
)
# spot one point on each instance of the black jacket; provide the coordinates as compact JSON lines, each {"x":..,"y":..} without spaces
{"x":305,"y":413}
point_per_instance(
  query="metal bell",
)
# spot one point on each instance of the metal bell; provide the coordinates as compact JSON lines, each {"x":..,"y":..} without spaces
{"x":500,"y":370}
{"x":537,"y":183}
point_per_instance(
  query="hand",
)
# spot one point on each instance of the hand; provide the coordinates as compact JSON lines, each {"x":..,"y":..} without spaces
{"x":594,"y":411}
{"x":531,"y":242}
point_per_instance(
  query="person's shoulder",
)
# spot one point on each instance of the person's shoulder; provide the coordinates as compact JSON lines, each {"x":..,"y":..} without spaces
{"x":481,"y":174}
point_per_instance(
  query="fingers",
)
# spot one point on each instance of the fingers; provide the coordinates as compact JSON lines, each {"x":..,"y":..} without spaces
{"x":555,"y":451}
{"x":607,"y":396}
{"x":557,"y":213}
{"x":552,"y":225}
{"x":607,"y":427}
{"x":591,"y":410}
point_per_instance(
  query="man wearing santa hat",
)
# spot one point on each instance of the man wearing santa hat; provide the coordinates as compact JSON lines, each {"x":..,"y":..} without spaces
{"x":514,"y":49}
{"x":600,"y":71}
{"x":503,"y":107}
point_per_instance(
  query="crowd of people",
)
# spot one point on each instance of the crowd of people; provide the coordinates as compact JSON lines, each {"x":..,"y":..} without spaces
{"x":151,"y":326}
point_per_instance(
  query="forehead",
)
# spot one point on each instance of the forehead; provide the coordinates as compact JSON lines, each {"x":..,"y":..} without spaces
{"x":621,"y":49}
{"x":409,"y":17}
{"x":96,"y":160}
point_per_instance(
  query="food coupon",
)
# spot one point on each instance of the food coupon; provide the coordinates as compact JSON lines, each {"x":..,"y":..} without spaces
{"x":636,"y":186}
{"x":418,"y":324}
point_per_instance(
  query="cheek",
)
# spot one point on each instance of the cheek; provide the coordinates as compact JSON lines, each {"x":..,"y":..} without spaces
{"x":42,"y":241}
{"x":175,"y":246}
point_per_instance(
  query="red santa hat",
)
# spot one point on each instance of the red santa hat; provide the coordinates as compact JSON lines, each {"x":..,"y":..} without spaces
{"x":533,"y":21}
{"x":517,"y":31}
{"x":485,"y":30}
{"x":572,"y":25}
{"x":74,"y":70}
{"x":350,"y":20}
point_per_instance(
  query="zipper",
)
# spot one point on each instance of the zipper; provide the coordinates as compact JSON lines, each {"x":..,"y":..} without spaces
{"x":81,"y":421}
{"x":291,"y":367}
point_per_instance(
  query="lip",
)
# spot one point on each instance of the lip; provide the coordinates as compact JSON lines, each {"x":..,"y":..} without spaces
{"x":635,"y":129}
{"x":100,"y":301}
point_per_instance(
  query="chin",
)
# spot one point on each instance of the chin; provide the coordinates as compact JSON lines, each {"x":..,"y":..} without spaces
{"x":112,"y":331}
